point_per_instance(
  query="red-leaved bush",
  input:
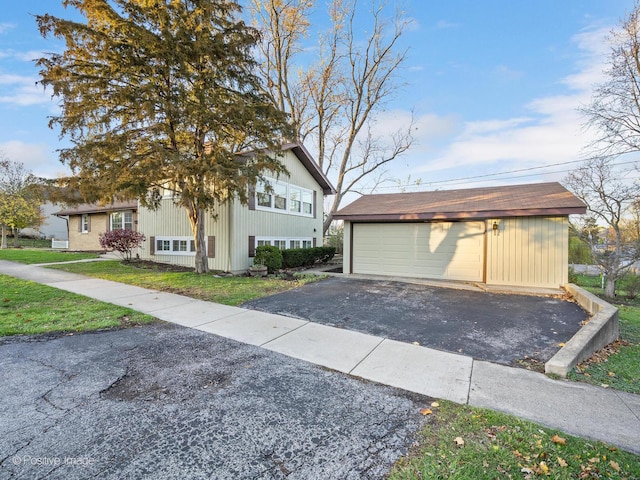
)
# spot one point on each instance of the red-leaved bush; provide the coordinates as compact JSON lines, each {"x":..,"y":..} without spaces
{"x":123,"y":241}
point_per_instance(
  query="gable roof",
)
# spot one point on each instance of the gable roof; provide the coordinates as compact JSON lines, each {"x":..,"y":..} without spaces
{"x":507,"y":201}
{"x":85,"y":208}
{"x":312,"y":167}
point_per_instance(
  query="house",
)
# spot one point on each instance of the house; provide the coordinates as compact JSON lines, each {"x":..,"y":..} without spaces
{"x":510,"y":235}
{"x":86,"y":222}
{"x":51,"y":226}
{"x":288,"y":213}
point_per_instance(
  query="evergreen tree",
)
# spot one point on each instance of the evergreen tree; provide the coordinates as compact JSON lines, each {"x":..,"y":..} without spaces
{"x":162,"y":94}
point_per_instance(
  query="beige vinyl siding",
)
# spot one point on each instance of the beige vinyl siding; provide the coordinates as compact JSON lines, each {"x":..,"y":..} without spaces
{"x":171,"y":221}
{"x":440,"y":250}
{"x":234,"y":224}
{"x":261,"y":223}
{"x":528,"y":251}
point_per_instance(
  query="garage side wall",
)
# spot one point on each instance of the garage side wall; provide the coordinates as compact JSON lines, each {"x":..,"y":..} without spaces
{"x":528,"y":251}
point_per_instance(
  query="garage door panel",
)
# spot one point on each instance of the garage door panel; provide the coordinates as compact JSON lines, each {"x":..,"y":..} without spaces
{"x":445,"y":250}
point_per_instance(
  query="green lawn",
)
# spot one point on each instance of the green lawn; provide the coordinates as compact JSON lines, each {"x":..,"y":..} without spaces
{"x":34,"y":255}
{"x":620,"y":369}
{"x":225,"y":290}
{"x":464,"y":443}
{"x":31,"y":308}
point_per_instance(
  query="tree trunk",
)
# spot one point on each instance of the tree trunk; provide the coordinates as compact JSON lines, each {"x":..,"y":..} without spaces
{"x":4,"y":237}
{"x":610,"y":287}
{"x":196,"y":218}
{"x":16,"y":235}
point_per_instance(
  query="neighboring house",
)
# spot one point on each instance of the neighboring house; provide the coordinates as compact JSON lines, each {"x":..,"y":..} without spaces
{"x":511,"y":235}
{"x":52,"y":226}
{"x":288,"y":215}
{"x":86,"y":222}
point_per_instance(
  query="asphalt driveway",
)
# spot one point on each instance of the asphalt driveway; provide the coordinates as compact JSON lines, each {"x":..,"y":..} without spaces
{"x":164,"y":401}
{"x":486,"y":326}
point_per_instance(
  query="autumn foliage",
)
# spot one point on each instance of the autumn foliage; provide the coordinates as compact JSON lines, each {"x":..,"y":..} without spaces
{"x":123,"y":241}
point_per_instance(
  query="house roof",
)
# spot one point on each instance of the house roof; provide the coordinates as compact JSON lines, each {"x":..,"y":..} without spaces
{"x":312,"y":167}
{"x":85,"y":208}
{"x":473,"y":203}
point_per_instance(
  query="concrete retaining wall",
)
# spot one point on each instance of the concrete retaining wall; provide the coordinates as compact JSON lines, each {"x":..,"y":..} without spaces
{"x":602,"y":329}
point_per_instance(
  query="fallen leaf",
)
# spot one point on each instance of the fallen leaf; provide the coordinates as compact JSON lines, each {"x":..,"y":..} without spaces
{"x":526,"y":470}
{"x":416,"y":343}
{"x":459,"y":441}
{"x":559,"y":440}
{"x":561,"y":344}
{"x":594,"y":460}
{"x":485,"y":464}
{"x":611,"y":374}
{"x":435,"y":404}
{"x":426,"y":411}
{"x":562,"y":462}
{"x":543,"y":469}
{"x":614,"y":465}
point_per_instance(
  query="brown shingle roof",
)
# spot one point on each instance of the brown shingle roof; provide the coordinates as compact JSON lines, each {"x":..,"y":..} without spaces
{"x":507,"y":201}
{"x":96,"y":208}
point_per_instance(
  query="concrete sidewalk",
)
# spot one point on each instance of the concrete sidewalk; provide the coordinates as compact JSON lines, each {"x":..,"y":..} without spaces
{"x":578,"y":409}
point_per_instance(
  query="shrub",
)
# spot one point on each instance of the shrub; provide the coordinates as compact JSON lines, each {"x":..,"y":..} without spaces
{"x":306,"y":257}
{"x":123,"y":241}
{"x":631,"y":286}
{"x":573,"y":276}
{"x":269,"y":256}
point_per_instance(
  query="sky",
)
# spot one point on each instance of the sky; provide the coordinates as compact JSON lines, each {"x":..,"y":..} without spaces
{"x":494,"y":87}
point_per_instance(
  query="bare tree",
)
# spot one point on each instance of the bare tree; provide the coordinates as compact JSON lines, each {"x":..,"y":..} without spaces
{"x":609,"y":197}
{"x":335,"y":100}
{"x":614,"y":111}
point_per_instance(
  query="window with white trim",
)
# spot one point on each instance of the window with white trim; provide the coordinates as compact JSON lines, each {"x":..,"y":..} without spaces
{"x":284,"y":243}
{"x":175,"y":245}
{"x":274,"y":195}
{"x":122,"y":221}
{"x":85,"y":223}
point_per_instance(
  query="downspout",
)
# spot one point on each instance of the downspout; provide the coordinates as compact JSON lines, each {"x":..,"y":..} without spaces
{"x":230,"y":235}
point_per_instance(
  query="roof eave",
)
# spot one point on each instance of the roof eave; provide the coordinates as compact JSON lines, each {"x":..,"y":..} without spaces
{"x":312,"y":167}
{"x":479,"y":215}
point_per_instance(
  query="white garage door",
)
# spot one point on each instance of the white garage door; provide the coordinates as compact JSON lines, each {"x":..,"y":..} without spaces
{"x":443,"y":250}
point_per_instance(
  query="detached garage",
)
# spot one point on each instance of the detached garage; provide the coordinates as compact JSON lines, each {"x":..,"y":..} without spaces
{"x":513,"y":235}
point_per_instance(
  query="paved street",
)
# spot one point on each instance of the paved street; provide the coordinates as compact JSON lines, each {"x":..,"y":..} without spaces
{"x":165,"y":401}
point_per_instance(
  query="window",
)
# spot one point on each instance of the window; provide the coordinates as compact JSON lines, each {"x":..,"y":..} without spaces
{"x":84,"y":226}
{"x":307,"y":202}
{"x":122,"y":221}
{"x":163,"y":245}
{"x":284,"y":198}
{"x":284,"y":243}
{"x":175,"y":245}
{"x":262,"y":196}
{"x":295,"y":199}
{"x":280,"y":194}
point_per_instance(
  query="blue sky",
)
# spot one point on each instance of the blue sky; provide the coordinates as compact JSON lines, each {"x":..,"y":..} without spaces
{"x":494,"y":87}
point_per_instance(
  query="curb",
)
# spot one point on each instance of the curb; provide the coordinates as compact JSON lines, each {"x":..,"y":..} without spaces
{"x":602,"y":329}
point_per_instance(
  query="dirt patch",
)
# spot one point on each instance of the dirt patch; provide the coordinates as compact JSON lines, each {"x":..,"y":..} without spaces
{"x":158,"y":267}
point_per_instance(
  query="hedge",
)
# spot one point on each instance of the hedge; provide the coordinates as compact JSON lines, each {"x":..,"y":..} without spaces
{"x":306,"y":257}
{"x":269,"y":256}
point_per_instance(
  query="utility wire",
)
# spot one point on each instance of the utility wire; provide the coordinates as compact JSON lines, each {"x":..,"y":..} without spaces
{"x":481,"y":178}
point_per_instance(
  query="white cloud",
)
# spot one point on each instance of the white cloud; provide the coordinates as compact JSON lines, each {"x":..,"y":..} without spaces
{"x":552,"y":133}
{"x":37,"y":157}
{"x":22,"y":90}
{"x":5,"y":27}
{"x":443,"y":24}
